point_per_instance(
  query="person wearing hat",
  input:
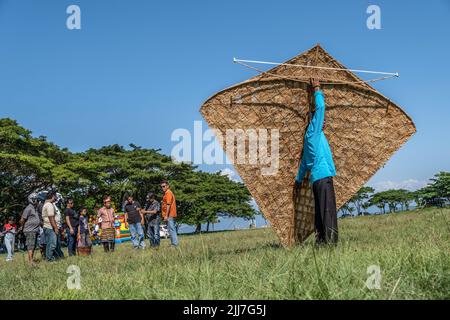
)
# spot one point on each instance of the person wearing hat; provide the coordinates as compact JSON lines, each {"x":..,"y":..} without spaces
{"x":317,"y":159}
{"x":30,"y":222}
{"x":151,"y":213}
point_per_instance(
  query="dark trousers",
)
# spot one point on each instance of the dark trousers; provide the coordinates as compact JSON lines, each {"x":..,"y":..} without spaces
{"x":59,"y":254}
{"x":72,"y":241}
{"x":107,"y":246}
{"x":50,"y":242}
{"x":153,"y":231}
{"x":325,"y":211}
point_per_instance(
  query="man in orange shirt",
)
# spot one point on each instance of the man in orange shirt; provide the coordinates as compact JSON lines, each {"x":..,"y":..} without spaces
{"x":169,"y":212}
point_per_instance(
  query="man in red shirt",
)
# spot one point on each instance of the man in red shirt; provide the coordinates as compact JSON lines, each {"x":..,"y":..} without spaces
{"x":169,"y":212}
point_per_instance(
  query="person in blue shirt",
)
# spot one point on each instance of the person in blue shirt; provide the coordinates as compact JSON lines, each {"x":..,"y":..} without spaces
{"x":318,"y":160}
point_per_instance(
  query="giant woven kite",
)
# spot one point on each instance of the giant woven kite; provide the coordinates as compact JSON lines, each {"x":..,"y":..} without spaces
{"x":364,"y":129}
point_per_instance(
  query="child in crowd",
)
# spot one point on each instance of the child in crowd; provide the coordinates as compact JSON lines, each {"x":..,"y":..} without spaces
{"x":84,"y":232}
{"x":9,"y":231}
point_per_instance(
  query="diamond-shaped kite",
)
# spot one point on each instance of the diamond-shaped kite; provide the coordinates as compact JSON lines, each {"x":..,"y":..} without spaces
{"x":364,"y":129}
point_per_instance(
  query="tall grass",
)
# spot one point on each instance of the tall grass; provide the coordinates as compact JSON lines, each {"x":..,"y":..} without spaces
{"x":412,"y":250}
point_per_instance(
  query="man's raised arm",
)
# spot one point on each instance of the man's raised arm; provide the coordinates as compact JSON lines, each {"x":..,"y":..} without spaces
{"x":316,"y":124}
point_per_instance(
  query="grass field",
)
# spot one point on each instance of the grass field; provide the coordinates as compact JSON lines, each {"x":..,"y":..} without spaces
{"x":412,"y":250}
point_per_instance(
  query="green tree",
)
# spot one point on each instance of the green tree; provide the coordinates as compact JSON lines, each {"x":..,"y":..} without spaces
{"x":436,"y":193}
{"x":346,"y":210}
{"x":209,"y":196}
{"x":379,"y":200}
{"x":392,"y":197}
{"x":28,"y":164}
{"x":351,"y":210}
{"x":404,"y":198}
{"x":441,"y":183}
{"x":360,"y":198}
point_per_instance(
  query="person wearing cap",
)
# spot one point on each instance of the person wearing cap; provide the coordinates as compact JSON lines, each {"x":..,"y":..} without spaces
{"x":151,"y":213}
{"x":30,"y":222}
{"x":317,"y":159}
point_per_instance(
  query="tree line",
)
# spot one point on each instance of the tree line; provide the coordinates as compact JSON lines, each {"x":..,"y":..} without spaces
{"x":435,"y":193}
{"x":30,"y":163}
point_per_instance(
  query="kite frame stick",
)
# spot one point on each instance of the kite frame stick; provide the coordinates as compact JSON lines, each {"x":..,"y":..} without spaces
{"x":307,"y":80}
{"x":396,"y":74}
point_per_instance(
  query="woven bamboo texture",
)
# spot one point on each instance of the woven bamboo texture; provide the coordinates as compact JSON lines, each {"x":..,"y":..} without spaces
{"x":363,"y":128}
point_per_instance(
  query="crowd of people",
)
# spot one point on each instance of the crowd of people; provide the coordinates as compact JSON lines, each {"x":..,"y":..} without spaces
{"x":43,"y":226}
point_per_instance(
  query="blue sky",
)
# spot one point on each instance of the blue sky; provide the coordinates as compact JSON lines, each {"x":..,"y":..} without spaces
{"x":137,"y":70}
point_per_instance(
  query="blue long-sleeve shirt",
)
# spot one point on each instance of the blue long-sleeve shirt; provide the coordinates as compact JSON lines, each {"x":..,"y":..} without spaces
{"x":317,"y":157}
